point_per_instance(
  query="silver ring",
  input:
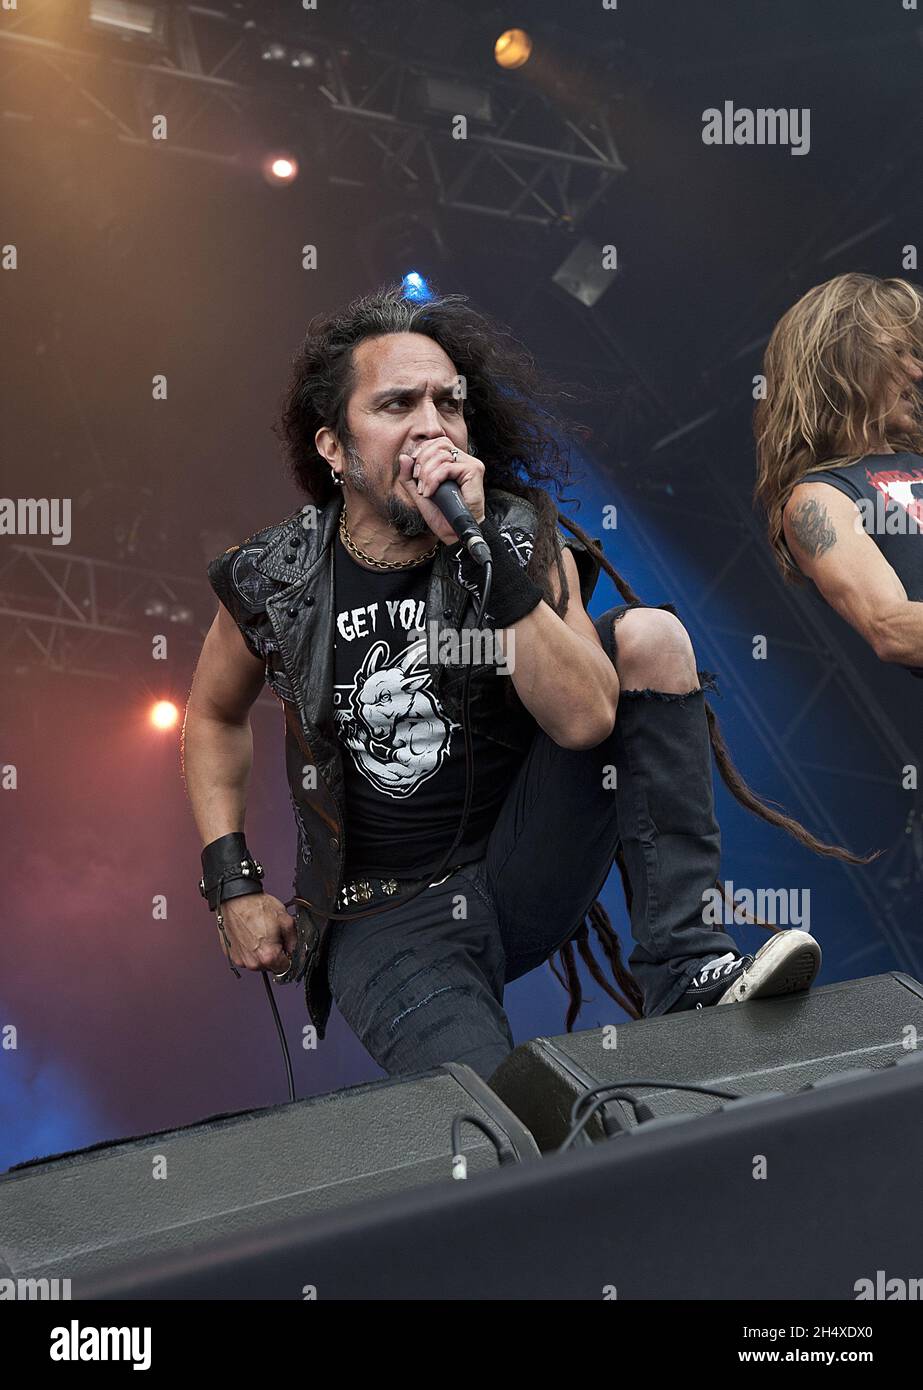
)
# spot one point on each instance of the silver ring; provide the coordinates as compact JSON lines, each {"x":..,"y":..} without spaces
{"x":282,"y":973}
{"x":454,"y":452}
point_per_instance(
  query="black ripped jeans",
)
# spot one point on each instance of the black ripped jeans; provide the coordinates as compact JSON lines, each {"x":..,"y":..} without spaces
{"x":423,"y":984}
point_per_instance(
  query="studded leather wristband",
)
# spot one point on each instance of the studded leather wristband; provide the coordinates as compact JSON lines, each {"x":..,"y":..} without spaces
{"x":229,"y":870}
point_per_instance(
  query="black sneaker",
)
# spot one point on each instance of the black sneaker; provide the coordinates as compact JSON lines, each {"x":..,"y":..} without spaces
{"x":787,"y":964}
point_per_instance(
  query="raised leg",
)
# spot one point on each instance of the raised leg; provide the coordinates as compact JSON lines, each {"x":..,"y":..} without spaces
{"x":670,"y":836}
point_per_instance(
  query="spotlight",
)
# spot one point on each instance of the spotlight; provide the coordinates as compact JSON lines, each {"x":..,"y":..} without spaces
{"x":164,"y":714}
{"x":513,"y":48}
{"x":416,"y":288}
{"x":280,"y":168}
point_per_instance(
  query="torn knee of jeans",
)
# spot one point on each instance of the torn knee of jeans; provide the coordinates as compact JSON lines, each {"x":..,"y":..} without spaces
{"x":639,"y":603}
{"x":708,"y":681}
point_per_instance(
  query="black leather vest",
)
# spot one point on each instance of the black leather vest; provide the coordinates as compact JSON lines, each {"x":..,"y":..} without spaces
{"x":278,"y":587}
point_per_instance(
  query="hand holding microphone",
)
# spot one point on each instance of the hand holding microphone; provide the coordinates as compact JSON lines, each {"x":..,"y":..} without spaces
{"x":448,"y":487}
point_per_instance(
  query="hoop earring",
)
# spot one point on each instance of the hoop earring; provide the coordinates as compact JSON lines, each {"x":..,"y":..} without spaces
{"x":336,"y":477}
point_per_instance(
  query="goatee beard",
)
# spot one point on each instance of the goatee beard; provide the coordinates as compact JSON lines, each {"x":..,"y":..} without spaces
{"x":406,"y":520}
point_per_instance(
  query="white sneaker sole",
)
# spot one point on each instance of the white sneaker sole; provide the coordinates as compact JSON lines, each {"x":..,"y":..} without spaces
{"x":787,"y":964}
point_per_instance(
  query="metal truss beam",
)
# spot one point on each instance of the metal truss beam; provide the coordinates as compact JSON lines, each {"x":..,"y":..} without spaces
{"x":358,"y":124}
{"x":77,"y":615}
{"x":70,"y":613}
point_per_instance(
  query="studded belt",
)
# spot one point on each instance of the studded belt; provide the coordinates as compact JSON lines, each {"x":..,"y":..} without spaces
{"x":366,"y":890}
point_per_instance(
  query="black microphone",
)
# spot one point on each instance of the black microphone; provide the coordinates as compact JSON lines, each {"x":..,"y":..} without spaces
{"x":450,"y":502}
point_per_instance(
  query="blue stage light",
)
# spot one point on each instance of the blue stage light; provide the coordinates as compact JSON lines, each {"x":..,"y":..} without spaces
{"x":415,"y":287}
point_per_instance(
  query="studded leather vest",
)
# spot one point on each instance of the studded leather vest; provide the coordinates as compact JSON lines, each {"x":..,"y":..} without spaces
{"x":278,"y":586}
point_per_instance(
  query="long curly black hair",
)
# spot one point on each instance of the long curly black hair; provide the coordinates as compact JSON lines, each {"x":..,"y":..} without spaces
{"x":516,"y":415}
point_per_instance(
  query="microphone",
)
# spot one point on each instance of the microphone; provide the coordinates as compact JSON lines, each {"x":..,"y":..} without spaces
{"x":450,"y":502}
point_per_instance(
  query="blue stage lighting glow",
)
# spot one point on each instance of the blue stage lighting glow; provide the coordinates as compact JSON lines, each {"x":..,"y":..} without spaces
{"x":416,"y":287}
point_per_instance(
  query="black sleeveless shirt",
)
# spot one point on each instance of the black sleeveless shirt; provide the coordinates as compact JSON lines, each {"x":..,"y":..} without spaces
{"x":403,"y":757}
{"x":888,"y":490}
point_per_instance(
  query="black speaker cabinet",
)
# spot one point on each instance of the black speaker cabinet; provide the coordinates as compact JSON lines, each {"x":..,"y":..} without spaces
{"x":807,"y":1196}
{"x":87,"y":1212}
{"x":779,"y":1044}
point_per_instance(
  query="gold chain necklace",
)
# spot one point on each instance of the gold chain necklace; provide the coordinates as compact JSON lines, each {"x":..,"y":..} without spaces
{"x":353,"y":549}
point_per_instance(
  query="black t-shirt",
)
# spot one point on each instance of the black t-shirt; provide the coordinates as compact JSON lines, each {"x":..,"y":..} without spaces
{"x":403,"y":757}
{"x":888,"y":490}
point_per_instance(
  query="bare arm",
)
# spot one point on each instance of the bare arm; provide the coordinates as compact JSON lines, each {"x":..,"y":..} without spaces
{"x":217,"y":754}
{"x":560,"y":670}
{"x":217,"y":747}
{"x":824,"y":532}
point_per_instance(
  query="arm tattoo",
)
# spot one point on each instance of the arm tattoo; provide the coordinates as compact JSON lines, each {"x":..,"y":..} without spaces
{"x":813,"y":529}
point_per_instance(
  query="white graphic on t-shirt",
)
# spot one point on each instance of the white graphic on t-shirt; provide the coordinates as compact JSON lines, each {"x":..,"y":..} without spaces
{"x":902,"y":487}
{"x":393,"y":725}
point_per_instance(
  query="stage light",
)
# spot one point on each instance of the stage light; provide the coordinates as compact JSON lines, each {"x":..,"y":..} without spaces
{"x":280,"y":168}
{"x":445,"y":97}
{"x":583,"y":275}
{"x":129,"y":19}
{"x":415,"y":287}
{"x":282,"y":56}
{"x":513,"y":48}
{"x":164,"y":714}
{"x":168,"y":612}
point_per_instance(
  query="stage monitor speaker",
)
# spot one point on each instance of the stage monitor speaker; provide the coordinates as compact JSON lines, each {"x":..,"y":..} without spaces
{"x":806,"y":1196}
{"x":88,"y":1211}
{"x":779,"y":1044}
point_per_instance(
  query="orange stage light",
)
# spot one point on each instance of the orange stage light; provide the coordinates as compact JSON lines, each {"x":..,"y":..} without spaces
{"x":164,"y":714}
